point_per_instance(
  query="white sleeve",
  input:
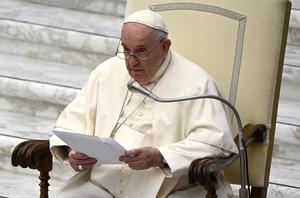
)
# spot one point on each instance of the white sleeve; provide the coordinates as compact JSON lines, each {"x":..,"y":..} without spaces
{"x":180,"y":155}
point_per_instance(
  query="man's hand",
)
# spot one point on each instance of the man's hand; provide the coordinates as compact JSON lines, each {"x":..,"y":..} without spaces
{"x":143,"y":158}
{"x":80,"y":161}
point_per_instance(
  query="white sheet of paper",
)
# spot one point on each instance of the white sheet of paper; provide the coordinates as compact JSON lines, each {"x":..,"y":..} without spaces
{"x":105,"y":150}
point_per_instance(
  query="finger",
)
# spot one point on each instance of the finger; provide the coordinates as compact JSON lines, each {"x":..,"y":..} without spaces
{"x":128,"y":159}
{"x":89,"y":161}
{"x":139,"y":163}
{"x":77,"y":155}
{"x":133,"y":152}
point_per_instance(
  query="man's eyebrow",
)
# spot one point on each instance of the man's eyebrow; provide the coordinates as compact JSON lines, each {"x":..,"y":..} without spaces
{"x":139,"y":46}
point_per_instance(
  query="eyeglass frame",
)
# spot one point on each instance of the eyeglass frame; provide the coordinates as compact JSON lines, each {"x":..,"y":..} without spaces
{"x":133,"y":52}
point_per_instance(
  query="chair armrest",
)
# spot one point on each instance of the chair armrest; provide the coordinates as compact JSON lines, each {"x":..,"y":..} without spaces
{"x":35,"y":154}
{"x":204,"y":170}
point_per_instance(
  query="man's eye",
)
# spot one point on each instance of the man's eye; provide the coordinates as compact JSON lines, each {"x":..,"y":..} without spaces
{"x":140,"y":51}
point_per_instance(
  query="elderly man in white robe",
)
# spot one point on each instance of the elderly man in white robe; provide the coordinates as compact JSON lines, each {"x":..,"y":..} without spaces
{"x":162,"y":139}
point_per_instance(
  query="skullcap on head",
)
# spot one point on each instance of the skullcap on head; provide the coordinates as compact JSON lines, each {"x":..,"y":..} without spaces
{"x":148,"y":18}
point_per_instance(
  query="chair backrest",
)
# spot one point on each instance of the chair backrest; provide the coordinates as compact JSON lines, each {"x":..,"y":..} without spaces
{"x":241,"y":43}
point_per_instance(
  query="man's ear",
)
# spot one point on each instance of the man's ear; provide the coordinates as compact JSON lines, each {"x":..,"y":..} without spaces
{"x":166,"y":46}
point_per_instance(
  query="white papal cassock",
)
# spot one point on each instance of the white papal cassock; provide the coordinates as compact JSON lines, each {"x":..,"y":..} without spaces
{"x":182,"y":131}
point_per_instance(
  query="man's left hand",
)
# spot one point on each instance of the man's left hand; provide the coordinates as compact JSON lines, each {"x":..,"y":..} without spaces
{"x":143,"y":158}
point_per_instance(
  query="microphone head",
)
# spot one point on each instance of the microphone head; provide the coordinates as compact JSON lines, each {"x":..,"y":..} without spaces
{"x":135,"y":87}
{"x":131,"y":85}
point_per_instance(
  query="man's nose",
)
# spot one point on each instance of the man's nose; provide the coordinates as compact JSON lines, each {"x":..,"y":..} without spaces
{"x":132,"y":60}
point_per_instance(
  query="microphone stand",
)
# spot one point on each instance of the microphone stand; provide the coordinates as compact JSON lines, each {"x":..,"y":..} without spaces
{"x":135,"y":86}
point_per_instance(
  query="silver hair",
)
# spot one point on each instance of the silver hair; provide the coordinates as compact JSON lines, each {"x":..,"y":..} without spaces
{"x":160,"y":35}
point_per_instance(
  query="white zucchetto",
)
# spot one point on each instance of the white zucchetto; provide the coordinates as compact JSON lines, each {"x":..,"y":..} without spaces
{"x":148,"y":18}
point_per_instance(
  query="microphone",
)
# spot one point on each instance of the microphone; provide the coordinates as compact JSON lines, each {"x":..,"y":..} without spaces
{"x":135,"y":87}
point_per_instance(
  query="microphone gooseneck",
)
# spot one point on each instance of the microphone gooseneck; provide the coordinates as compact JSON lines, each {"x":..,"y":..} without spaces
{"x":135,"y":87}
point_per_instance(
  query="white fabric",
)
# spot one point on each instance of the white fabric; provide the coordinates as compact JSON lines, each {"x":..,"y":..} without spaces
{"x":148,"y":18}
{"x":79,"y":186}
{"x":181,"y":131}
{"x":137,"y":109}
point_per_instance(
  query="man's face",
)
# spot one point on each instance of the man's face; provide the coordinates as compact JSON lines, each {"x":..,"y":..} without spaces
{"x":136,"y":38}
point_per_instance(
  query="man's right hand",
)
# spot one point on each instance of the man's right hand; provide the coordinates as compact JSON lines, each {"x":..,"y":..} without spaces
{"x":80,"y":162}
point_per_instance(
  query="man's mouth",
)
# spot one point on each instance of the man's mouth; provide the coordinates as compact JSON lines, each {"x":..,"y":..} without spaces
{"x":136,"y":71}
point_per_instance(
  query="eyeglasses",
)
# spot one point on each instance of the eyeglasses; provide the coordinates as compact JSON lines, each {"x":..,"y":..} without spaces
{"x":140,"y":53}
